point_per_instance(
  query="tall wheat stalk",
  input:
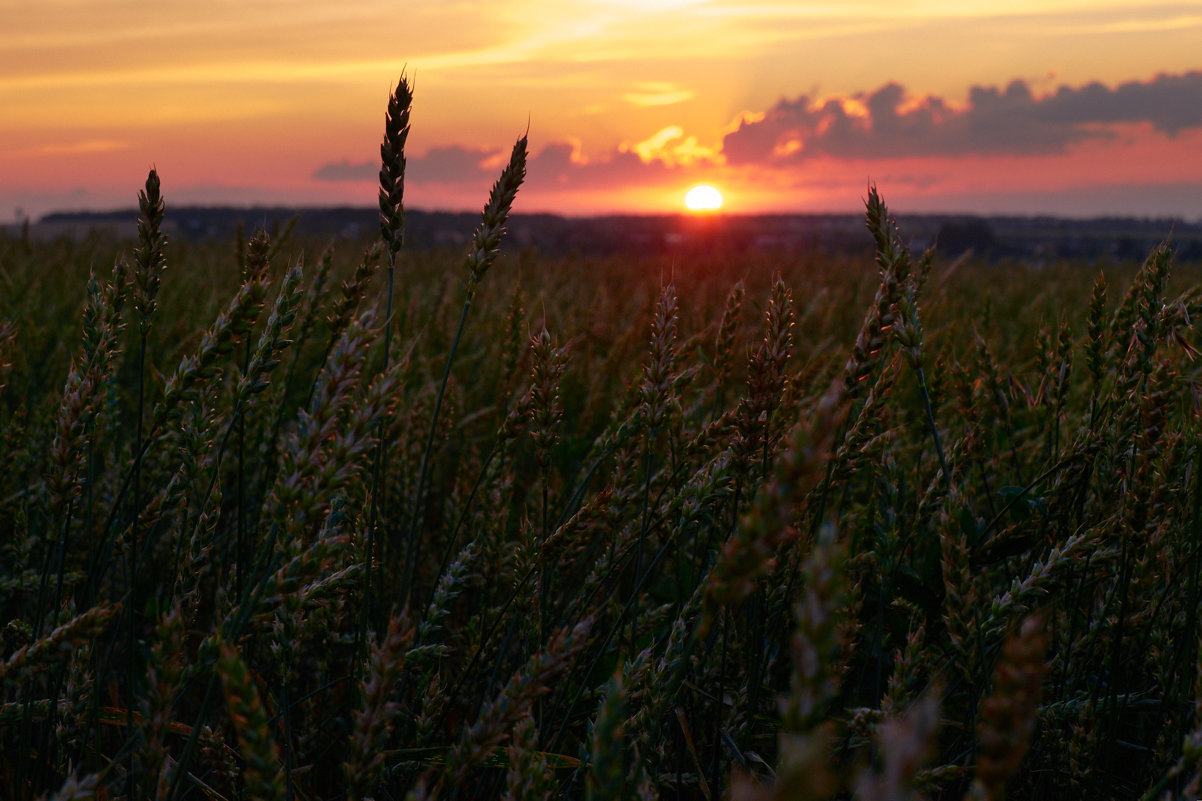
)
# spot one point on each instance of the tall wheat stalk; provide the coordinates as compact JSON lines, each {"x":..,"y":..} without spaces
{"x":392,"y":233}
{"x":481,"y":254}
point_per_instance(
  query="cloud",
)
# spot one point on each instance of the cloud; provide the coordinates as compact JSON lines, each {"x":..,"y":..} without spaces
{"x":1012,"y":121}
{"x":670,"y":146}
{"x":1170,"y":102}
{"x":656,"y":93}
{"x":560,"y":166}
{"x":452,"y":164}
{"x":84,"y":146}
{"x":348,"y":171}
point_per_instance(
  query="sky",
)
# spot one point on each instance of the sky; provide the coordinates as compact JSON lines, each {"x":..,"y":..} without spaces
{"x":1015,"y":107}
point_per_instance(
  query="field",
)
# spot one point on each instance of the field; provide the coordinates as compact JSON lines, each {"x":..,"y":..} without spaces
{"x":285,"y":521}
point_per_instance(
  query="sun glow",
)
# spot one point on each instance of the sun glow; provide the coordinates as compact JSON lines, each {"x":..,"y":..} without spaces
{"x":703,"y":198}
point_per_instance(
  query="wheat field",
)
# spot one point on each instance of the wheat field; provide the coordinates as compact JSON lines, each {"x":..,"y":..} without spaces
{"x":283,"y":520}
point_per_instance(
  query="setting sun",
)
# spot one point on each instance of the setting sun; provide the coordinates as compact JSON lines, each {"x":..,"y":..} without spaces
{"x":703,"y":198}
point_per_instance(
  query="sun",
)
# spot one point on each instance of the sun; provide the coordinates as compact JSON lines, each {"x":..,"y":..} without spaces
{"x":703,"y":198}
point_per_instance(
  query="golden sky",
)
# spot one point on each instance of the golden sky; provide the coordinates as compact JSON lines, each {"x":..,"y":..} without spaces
{"x":1019,"y":107}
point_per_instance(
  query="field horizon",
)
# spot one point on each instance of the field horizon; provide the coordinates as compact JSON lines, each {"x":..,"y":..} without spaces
{"x":998,"y":236}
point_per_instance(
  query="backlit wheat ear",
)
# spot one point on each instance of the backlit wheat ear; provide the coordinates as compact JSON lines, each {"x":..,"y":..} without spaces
{"x":218,"y":342}
{"x":257,"y":261}
{"x":373,"y":723}
{"x":354,"y":291}
{"x":766,"y":380}
{"x":77,"y":789}
{"x":491,"y":229}
{"x":273,"y":340}
{"x":308,"y":464}
{"x":454,"y":581}
{"x":165,"y":676}
{"x":546,"y":406}
{"x":89,"y":374}
{"x":655,"y":391}
{"x":894,"y":262}
{"x":1008,"y":716}
{"x":8,"y":342}
{"x":58,"y":644}
{"x":1142,"y":299}
{"x":529,"y":777}
{"x":724,"y":344}
{"x":312,"y":301}
{"x":610,"y":763}
{"x":262,"y":774}
{"x":149,"y":258}
{"x":392,"y":166}
{"x":822,"y":633}
{"x":905,"y":744}
{"x":514,"y":702}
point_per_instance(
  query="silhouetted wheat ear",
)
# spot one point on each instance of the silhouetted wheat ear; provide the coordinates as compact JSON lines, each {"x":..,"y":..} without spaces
{"x":491,"y":229}
{"x":149,"y":258}
{"x":392,"y":166}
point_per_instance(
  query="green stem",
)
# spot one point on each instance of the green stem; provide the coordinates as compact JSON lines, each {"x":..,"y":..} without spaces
{"x":412,"y":547}
{"x":926,"y":402}
{"x":379,"y":469}
{"x":240,"y":540}
{"x":134,"y":600}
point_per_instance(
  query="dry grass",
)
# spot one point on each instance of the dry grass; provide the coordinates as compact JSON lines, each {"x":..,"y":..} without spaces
{"x":281,"y":526}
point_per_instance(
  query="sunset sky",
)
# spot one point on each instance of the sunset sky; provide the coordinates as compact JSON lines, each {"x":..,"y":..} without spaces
{"x":1076,"y":108}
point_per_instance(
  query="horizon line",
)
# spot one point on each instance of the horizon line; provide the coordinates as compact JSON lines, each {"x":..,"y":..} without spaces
{"x":133,"y":211}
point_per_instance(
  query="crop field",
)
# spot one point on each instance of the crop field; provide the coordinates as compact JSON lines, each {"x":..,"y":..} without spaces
{"x":284,"y":520}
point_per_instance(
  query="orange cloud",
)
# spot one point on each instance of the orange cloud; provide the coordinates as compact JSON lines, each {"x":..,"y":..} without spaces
{"x":658,"y":94}
{"x":82,"y":146}
{"x":889,"y":123}
{"x":671,"y":147}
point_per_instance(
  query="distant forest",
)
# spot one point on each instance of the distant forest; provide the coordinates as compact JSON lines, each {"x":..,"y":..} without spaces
{"x":994,"y":238}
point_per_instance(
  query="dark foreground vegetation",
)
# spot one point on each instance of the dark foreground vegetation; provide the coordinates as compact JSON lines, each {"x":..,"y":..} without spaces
{"x":279,"y":522}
